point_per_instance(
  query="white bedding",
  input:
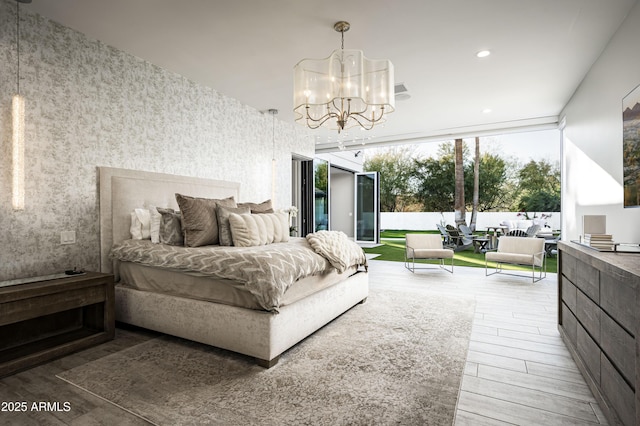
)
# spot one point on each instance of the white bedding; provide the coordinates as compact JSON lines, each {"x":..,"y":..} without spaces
{"x":265,"y":271}
{"x":193,"y":285}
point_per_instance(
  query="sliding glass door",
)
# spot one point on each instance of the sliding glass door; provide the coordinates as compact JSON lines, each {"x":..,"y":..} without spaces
{"x":367,"y":207}
{"x":321,"y":197}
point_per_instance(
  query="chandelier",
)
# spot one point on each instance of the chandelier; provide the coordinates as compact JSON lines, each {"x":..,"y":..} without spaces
{"x":344,"y":90}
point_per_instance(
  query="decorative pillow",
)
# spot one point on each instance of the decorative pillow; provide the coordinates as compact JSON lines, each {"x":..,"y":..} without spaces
{"x":224,"y":229}
{"x":170,"y":231}
{"x":263,"y":207}
{"x":250,"y":230}
{"x":199,"y":221}
{"x":140,"y":224}
{"x":154,"y":230}
{"x":135,"y":229}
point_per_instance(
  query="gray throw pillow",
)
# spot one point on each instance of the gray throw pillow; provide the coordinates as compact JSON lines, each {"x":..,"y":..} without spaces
{"x":263,"y":207}
{"x":199,"y":220}
{"x":224,"y":229}
{"x":170,"y":227}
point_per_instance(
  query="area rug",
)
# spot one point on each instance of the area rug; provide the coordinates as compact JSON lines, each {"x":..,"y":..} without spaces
{"x":396,"y":359}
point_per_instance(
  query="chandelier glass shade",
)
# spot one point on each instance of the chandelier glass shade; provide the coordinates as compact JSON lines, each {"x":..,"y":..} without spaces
{"x":344,"y":90}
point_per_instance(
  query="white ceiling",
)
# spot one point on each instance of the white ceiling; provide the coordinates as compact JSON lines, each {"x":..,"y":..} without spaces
{"x":246,"y":49}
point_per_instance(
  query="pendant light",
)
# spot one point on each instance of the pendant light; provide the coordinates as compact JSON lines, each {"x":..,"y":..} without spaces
{"x":273,"y":113}
{"x":18,"y":131}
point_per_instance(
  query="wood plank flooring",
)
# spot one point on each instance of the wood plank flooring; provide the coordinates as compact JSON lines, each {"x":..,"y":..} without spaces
{"x":518,"y":369}
{"x":40,"y":384}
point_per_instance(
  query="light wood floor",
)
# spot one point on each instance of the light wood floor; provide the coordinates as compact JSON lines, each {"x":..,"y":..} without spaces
{"x":518,"y":369}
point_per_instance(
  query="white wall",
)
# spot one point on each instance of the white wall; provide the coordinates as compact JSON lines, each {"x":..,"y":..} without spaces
{"x":89,"y":105}
{"x":592,"y":146}
{"x":342,"y":188}
{"x":344,"y":159}
{"x":426,"y":221}
{"x":342,"y":201}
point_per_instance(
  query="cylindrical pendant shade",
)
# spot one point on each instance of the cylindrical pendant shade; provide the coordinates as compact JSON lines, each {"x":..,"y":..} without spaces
{"x":18,"y":152}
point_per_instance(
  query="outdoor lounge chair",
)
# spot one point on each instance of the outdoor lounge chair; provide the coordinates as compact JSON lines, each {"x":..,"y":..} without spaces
{"x":480,"y":244}
{"x":425,"y":246}
{"x":466,"y":231}
{"x":446,"y":240}
{"x":458,"y":241}
{"x":532,"y":231}
{"x":518,"y":251}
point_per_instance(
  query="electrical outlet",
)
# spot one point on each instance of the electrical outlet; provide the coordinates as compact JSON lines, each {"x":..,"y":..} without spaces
{"x":68,"y":237}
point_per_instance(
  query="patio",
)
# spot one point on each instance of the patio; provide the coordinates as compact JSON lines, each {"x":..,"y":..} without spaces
{"x":393,"y":245}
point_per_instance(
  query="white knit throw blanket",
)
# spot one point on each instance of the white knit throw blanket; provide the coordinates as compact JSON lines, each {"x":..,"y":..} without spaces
{"x":338,"y":249}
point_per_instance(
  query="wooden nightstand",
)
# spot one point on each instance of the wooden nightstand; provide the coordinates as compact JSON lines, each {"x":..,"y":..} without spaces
{"x":43,"y":320}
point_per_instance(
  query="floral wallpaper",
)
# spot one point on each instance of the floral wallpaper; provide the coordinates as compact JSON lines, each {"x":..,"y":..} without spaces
{"x":89,"y":105}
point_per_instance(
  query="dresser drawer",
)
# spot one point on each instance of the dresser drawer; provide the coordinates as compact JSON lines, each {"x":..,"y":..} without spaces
{"x":618,"y":299}
{"x":589,"y":352}
{"x":569,"y":325}
{"x":588,"y":280}
{"x":588,"y":314}
{"x":569,"y":294}
{"x":568,"y":266}
{"x":618,"y":392}
{"x":619,"y":346}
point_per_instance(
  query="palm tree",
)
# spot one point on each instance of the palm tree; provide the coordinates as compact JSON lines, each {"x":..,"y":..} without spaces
{"x":476,"y":186}
{"x":459,"y":192}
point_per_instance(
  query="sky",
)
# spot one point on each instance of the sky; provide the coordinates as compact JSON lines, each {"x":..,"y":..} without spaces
{"x":538,"y":145}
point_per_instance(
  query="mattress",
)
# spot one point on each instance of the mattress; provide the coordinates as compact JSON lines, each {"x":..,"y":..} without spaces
{"x":193,"y":285}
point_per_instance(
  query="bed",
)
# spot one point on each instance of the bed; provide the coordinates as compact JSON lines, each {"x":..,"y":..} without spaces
{"x":250,"y":330}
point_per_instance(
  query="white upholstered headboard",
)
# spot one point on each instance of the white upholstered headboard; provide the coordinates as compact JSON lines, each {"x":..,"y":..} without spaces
{"x":123,"y":190}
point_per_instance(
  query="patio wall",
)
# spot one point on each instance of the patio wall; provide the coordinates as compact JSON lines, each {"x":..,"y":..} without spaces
{"x":425,"y":221}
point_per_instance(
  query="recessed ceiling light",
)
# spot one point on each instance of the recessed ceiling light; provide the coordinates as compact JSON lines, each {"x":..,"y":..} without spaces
{"x":402,"y":96}
{"x":486,"y":110}
{"x":483,"y":53}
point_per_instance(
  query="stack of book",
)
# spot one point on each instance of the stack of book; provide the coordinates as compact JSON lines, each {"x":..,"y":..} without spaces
{"x":599,"y":241}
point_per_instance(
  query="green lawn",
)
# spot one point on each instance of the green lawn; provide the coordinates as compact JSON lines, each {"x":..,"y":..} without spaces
{"x":393,"y":250}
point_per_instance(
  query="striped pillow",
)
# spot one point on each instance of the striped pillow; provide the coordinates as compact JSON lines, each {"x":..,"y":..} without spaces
{"x":248,"y":230}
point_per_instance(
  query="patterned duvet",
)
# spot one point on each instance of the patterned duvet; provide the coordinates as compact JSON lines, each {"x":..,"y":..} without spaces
{"x":265,"y":271}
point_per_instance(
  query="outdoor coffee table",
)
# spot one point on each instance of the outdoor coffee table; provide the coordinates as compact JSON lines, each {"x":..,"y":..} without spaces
{"x":480,"y":245}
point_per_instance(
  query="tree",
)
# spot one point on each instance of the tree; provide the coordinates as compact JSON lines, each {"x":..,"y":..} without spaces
{"x":395,"y":166}
{"x":476,"y":186}
{"x":494,"y":186}
{"x":432,"y":180}
{"x":321,"y":174}
{"x":459,"y":204}
{"x":539,"y":186}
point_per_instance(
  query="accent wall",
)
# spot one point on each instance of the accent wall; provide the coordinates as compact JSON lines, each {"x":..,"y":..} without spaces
{"x":89,"y":105}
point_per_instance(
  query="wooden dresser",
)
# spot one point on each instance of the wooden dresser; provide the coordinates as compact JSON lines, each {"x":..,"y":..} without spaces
{"x":598,"y":318}
{"x":43,"y":320}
